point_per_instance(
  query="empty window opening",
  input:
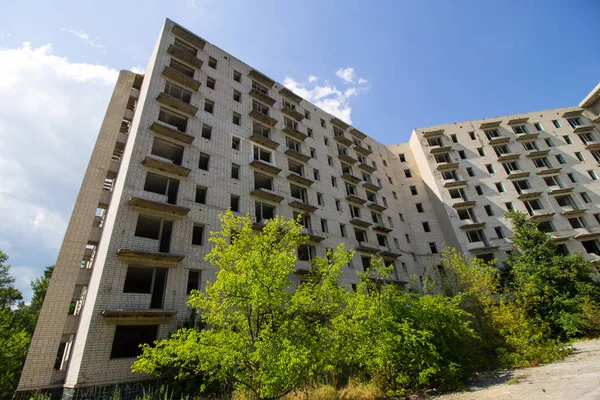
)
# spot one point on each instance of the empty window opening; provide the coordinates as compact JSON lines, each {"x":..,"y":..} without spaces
{"x":206,"y":131}
{"x":209,"y":106}
{"x":235,"y":203}
{"x":176,"y":121}
{"x":203,"y":161}
{"x":147,"y":281}
{"x":186,"y":48}
{"x":262,"y":181}
{"x":159,"y":184}
{"x":235,"y":171}
{"x":127,"y":339}
{"x":201,"y":194}
{"x":157,"y":229}
{"x":167,"y":150}
{"x":178,"y":92}
{"x":194,"y":279}
{"x":263,"y":212}
{"x":184,"y":69}
{"x":198,"y":235}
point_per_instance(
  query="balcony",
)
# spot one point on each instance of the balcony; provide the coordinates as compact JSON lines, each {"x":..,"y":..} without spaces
{"x":592,"y":145}
{"x":557,"y":190}
{"x":303,"y":267}
{"x":591,"y":257}
{"x":516,"y":174}
{"x":339,"y":123}
{"x":262,"y":97}
{"x":480,"y":248}
{"x":537,"y":153}
{"x":587,"y":233}
{"x":434,"y":133}
{"x":518,"y":121}
{"x":358,"y":133}
{"x":545,"y":171}
{"x":527,"y":137}
{"x":360,"y":222}
{"x":440,"y":149}
{"x":188,"y":37}
{"x":350,"y":178}
{"x":177,"y":104}
{"x":490,"y":124}
{"x":155,"y":315}
{"x":341,"y":138}
{"x":571,"y":210}
{"x":560,"y":236}
{"x":370,"y":186}
{"x":304,"y":206}
{"x":266,"y":194}
{"x":366,"y":167}
{"x":508,"y":157}
{"x":367,"y":247}
{"x":583,"y":128}
{"x":294,"y":133}
{"x":263,"y":79}
{"x":265,"y":119}
{"x":459,"y":203}
{"x":499,"y":140}
{"x":162,"y":129}
{"x":297,"y":155}
{"x":285,"y":92}
{"x":311,"y":236}
{"x":128,"y":115}
{"x":290,"y":112}
{"x":445,"y":166}
{"x":376,"y":206}
{"x":381,"y":227}
{"x":265,"y":167}
{"x":166,"y":167}
{"x":263,"y":140}
{"x":297,"y":178}
{"x":167,"y":260}
{"x":355,"y":199}
{"x":347,"y":159}
{"x":541,"y":214}
{"x":528,"y":194}
{"x":185,"y":57}
{"x":469,"y":224}
{"x":181,"y":78}
{"x":155,"y":208}
{"x":454,"y":183}
{"x":388,"y":252}
{"x":362,"y":150}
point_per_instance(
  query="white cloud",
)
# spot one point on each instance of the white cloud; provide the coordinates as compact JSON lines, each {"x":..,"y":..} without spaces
{"x":327,"y":96}
{"x":86,"y":38}
{"x":348,"y":75}
{"x":137,"y":70}
{"x":4,"y":35}
{"x":50,"y":112}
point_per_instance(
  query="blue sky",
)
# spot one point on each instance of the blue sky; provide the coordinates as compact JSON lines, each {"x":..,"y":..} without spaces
{"x":424,"y":63}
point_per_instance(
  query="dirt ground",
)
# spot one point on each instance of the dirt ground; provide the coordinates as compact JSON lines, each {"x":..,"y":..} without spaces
{"x":577,"y":377}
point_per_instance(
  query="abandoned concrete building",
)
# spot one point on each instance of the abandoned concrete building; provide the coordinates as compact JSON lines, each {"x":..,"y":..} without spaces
{"x":201,"y":132}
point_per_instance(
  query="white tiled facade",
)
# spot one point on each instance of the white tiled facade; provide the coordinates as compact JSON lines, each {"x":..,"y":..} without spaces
{"x":93,"y":301}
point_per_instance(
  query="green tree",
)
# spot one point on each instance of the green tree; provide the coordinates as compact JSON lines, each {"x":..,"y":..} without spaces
{"x":510,"y":338}
{"x":551,"y":287}
{"x":14,"y":338}
{"x":404,"y":341}
{"x":9,"y":295}
{"x":263,"y":335}
{"x":30,"y":313}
